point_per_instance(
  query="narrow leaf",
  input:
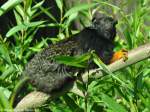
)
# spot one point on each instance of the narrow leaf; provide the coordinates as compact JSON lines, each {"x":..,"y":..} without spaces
{"x":71,"y":18}
{"x":71,"y":103}
{"x":9,"y":5}
{"x":112,"y":104}
{"x":76,"y":61}
{"x":59,"y":4}
{"x":79,"y":8}
{"x":7,"y":72}
{"x":38,"y":5}
{"x":4,"y":102}
{"x":4,"y":53}
{"x":23,"y":26}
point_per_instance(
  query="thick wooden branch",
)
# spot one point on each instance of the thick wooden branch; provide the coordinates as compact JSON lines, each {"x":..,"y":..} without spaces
{"x":36,"y":99}
{"x":32,"y":100}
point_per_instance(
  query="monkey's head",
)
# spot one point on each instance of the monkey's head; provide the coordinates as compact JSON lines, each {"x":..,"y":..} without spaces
{"x":105,"y":26}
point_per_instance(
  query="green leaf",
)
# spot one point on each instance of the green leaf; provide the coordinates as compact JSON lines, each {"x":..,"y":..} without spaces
{"x":139,"y":81}
{"x":68,"y":60}
{"x":9,"y":5}
{"x":18,"y":18}
{"x":20,"y":10}
{"x":4,"y":103}
{"x":128,"y":37}
{"x":99,"y":62}
{"x":38,"y":5}
{"x":46,"y":11}
{"x":4,"y":53}
{"x":84,"y":57}
{"x":29,"y":37}
{"x":23,"y":26}
{"x":108,"y":4}
{"x":32,"y":10}
{"x":71,"y":103}
{"x":7,"y":72}
{"x":59,"y":4}
{"x":27,"y":4}
{"x":71,"y":18}
{"x":37,"y":47}
{"x":77,"y":61}
{"x":79,"y":8}
{"x":112,"y":104}
{"x":6,"y":92}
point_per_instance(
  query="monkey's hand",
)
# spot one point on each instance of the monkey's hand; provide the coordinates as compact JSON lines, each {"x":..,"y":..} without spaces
{"x":119,"y":54}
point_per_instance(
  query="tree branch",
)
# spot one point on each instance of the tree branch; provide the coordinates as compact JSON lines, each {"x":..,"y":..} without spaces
{"x":35,"y":99}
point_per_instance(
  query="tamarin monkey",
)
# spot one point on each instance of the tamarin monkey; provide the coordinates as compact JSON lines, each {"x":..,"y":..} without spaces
{"x":51,"y":77}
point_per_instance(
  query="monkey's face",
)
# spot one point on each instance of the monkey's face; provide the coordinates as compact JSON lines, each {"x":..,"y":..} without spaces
{"x":105,"y":27}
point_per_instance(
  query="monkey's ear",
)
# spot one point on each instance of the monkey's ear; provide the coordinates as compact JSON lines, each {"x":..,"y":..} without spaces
{"x":98,"y":15}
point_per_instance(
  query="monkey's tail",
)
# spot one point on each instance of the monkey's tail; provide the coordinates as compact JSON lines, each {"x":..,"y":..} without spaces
{"x":17,"y":89}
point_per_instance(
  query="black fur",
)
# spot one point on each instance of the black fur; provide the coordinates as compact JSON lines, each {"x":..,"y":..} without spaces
{"x":50,"y":77}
